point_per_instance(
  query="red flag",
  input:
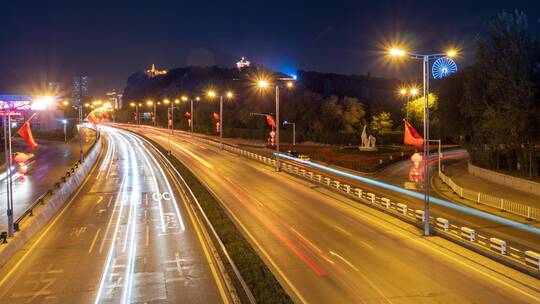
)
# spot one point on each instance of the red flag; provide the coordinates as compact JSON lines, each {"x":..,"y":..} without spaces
{"x":270,"y":121}
{"x":411,"y":137}
{"x":215,"y":116}
{"x":26,"y":133}
{"x":187,"y":114}
{"x":92,"y":118}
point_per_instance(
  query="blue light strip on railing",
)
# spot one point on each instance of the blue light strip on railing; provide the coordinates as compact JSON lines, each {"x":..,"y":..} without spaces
{"x":435,"y":200}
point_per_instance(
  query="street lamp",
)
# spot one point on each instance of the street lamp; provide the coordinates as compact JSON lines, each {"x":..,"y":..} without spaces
{"x":151,"y":103}
{"x":263,"y":84}
{"x":293,"y":131}
{"x":408,"y":94}
{"x":136,"y":105}
{"x":192,"y":116}
{"x":229,"y":95}
{"x":38,"y":104}
{"x":426,"y":58}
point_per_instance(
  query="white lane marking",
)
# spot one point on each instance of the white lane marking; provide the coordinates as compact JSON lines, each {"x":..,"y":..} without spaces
{"x":94,"y":240}
{"x":344,"y":260}
{"x":342,"y":230}
{"x":199,"y":159}
{"x":367,"y":245}
{"x":109,"y":203}
{"x":147,"y":236}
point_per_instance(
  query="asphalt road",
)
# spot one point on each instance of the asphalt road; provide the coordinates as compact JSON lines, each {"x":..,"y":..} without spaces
{"x":324,"y":250}
{"x":125,"y":237}
{"x":50,"y":164}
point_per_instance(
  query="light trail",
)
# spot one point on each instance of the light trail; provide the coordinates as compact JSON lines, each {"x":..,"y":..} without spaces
{"x":119,"y":200}
{"x":168,"y":185}
{"x":413,"y":194}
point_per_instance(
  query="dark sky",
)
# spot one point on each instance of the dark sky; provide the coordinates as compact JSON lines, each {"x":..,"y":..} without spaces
{"x":108,"y":40}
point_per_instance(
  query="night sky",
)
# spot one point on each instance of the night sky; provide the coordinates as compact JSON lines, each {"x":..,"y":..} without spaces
{"x":44,"y":41}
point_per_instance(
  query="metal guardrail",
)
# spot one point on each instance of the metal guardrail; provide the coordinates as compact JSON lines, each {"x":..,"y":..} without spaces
{"x":41,"y":200}
{"x":526,"y":260}
{"x":492,"y":201}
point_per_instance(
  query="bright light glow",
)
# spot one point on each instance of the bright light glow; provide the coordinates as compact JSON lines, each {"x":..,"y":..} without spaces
{"x":290,"y":84}
{"x":65,"y":102}
{"x":211,"y":94}
{"x":184,"y":98}
{"x":229,"y":95}
{"x":397,"y":52}
{"x":414,"y":91}
{"x":166,"y":101}
{"x":197,"y":98}
{"x":107,"y":105}
{"x":132,"y":104}
{"x":149,"y":102}
{"x":42,"y":103}
{"x":87,"y":105}
{"x":403,"y":91}
{"x":262,"y":83}
{"x":177,"y":101}
{"x":451,"y":53}
{"x":64,"y":121}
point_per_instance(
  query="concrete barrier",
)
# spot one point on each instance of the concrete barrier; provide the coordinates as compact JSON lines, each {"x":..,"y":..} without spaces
{"x":385,"y":202}
{"x":358,"y":192}
{"x":401,"y":208}
{"x":347,"y":188}
{"x":335,"y":184}
{"x":419,"y":215}
{"x":326,"y":181}
{"x":443,"y":223}
{"x":532,"y":259}
{"x":309,"y":175}
{"x":468,"y":234}
{"x":497,"y":245}
{"x":371,"y":197}
{"x":318,"y":177}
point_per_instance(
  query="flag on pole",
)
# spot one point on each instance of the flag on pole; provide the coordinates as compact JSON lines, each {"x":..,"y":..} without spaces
{"x":215,"y":116}
{"x":270,"y":121}
{"x":26,"y":133}
{"x":411,"y":137}
{"x":187,"y":114}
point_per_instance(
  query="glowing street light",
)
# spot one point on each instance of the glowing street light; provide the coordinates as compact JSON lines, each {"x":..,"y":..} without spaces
{"x":262,"y":83}
{"x":212,"y":94}
{"x":426,"y":58}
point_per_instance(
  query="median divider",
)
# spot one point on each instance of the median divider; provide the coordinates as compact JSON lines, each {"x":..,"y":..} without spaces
{"x":47,"y":206}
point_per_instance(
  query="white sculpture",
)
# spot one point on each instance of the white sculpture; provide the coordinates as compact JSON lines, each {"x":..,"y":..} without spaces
{"x":368,"y":141}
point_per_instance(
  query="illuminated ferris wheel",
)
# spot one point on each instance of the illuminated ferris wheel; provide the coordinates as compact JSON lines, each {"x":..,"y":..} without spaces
{"x":443,"y":67}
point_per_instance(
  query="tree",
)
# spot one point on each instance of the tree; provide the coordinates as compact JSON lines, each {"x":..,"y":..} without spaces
{"x":381,"y":123}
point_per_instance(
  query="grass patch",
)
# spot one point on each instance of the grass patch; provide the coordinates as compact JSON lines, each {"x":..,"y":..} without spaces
{"x":261,"y":281}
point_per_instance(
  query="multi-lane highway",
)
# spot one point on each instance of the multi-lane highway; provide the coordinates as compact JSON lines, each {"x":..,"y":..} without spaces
{"x":325,"y":250}
{"x":126,"y":236}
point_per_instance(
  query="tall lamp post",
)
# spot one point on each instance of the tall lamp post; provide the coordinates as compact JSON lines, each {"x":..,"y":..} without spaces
{"x":263,"y":84}
{"x":137,"y":118}
{"x":7,"y":106}
{"x":151,"y":103}
{"x":185,"y":98}
{"x":426,"y":58}
{"x":293,"y":131}
{"x":408,"y":94}
{"x":229,"y":95}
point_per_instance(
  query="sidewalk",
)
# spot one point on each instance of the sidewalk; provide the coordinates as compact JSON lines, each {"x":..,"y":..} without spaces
{"x":459,"y":174}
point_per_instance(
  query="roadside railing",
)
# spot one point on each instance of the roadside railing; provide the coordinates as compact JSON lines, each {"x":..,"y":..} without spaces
{"x":516,"y":208}
{"x":498,"y":249}
{"x":56,"y":191}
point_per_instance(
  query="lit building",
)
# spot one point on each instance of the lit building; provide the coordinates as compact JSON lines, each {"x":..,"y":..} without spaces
{"x":115,"y":99}
{"x":243,"y":63}
{"x":49,"y":119}
{"x":153,"y":72}
{"x":54,"y":88}
{"x":81,"y":89}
